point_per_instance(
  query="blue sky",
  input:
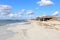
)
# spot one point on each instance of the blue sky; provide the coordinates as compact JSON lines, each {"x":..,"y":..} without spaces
{"x":18,"y":5}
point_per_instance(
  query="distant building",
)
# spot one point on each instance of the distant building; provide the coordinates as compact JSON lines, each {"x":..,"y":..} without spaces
{"x":46,"y":18}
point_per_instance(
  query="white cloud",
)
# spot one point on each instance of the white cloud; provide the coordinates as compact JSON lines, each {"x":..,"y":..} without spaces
{"x":21,"y":12}
{"x":16,"y":15}
{"x":29,"y":12}
{"x":5,"y":9}
{"x":45,"y":3}
{"x":10,"y":15}
{"x":56,"y":13}
{"x":6,"y":12}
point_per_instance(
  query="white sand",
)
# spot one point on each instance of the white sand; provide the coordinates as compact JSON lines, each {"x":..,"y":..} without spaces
{"x":33,"y":32}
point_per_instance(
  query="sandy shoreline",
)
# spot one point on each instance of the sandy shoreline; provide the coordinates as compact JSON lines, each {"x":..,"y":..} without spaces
{"x":32,"y":32}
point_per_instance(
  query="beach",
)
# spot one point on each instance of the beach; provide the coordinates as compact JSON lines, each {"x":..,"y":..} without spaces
{"x":29,"y":31}
{"x":29,"y":20}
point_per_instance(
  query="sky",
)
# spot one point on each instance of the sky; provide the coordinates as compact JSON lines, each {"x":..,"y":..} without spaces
{"x":17,"y":9}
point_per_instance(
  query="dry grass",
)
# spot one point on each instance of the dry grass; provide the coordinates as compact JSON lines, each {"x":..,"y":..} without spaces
{"x":48,"y":24}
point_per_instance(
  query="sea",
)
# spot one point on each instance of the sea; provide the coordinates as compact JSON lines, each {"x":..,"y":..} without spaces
{"x":6,"y":22}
